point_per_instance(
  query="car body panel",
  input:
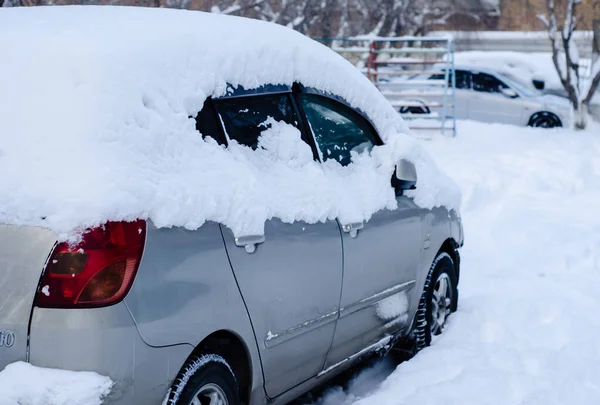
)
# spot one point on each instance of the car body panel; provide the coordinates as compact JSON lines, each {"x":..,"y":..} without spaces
{"x":291,"y":285}
{"x":496,"y":108}
{"x":106,"y":341}
{"x":185,"y":290}
{"x":23,"y":254}
{"x":441,"y":225}
{"x":463,"y":101}
{"x":379,"y":269}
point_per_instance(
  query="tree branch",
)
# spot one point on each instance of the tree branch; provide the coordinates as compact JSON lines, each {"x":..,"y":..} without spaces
{"x":595,"y":82}
{"x":236,"y":8}
{"x":544,"y":20}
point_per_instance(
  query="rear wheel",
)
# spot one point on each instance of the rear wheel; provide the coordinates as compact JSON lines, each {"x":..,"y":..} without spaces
{"x":544,"y":119}
{"x":438,"y":301}
{"x":205,"y":380}
{"x":415,"y":107}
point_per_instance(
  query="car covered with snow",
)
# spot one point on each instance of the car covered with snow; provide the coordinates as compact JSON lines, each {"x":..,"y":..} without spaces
{"x":219,"y":211}
{"x":486,"y":95}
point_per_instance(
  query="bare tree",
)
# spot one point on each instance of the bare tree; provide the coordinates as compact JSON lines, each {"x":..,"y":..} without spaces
{"x":580,"y":89}
{"x":177,"y":3}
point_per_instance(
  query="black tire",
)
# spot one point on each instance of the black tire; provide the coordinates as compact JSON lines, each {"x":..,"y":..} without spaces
{"x":415,"y":109}
{"x":441,"y":269}
{"x":544,"y":119}
{"x":208,"y":371}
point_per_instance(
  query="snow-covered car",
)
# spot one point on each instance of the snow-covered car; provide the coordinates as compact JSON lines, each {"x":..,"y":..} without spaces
{"x":218,"y":211}
{"x":487,"y":95}
{"x":534,"y":70}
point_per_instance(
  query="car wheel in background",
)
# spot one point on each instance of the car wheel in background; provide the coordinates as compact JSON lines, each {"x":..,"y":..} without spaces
{"x":544,"y":119}
{"x":438,"y":301}
{"x":204,"y":380}
{"x":416,"y":107}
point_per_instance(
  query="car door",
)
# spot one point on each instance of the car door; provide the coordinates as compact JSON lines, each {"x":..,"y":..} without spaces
{"x":462,"y":93}
{"x":290,"y":276}
{"x":490,"y":104}
{"x":381,"y":256}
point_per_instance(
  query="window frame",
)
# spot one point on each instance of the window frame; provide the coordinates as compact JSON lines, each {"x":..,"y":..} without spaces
{"x":469,"y":80}
{"x":299,"y":89}
{"x":474,"y":73}
{"x":268,"y":90}
{"x":455,"y":71}
{"x":209,"y":111}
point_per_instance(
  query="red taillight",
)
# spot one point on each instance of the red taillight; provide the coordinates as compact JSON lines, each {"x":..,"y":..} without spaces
{"x":97,"y":272}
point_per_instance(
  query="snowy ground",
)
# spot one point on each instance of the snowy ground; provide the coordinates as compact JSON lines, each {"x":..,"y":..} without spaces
{"x":24,"y":384}
{"x":527,"y":327}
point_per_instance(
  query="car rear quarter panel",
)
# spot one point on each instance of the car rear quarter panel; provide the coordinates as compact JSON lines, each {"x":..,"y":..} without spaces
{"x":23,"y":253}
{"x":106,"y":341}
{"x":185,"y":290}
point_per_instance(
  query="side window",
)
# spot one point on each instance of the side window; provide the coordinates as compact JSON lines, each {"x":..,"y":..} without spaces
{"x":207,"y":123}
{"x":243,"y":117}
{"x":487,"y":83}
{"x":338,"y":130}
{"x":463,"y":79}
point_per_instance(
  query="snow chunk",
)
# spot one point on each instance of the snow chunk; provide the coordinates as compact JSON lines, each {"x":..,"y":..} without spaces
{"x":393,"y":307}
{"x":109,"y":136}
{"x":22,"y":383}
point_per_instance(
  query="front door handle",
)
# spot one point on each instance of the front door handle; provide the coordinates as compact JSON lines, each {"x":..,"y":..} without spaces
{"x":249,"y":242}
{"x":353,"y":228}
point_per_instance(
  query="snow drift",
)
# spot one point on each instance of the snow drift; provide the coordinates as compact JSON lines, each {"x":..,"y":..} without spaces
{"x":22,"y":383}
{"x":94,"y":123}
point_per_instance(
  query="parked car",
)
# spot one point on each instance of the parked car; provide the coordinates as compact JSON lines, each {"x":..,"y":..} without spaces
{"x":488,"y":95}
{"x":535,"y":70}
{"x":205,"y":316}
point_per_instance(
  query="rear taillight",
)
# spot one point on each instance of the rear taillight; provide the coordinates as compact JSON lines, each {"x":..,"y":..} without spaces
{"x":96,"y":272}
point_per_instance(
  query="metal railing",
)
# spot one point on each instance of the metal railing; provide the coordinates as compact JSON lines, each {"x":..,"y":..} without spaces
{"x":416,"y":74}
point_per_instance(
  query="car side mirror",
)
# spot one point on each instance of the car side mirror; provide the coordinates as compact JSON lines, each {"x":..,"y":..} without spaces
{"x":508,"y":92}
{"x":405,"y":177}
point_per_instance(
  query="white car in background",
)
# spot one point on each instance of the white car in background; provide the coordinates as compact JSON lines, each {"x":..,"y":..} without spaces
{"x":487,"y":95}
{"x":534,"y":69}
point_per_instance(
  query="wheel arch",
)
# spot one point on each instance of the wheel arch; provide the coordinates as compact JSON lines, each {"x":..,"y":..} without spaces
{"x":235,"y":352}
{"x":450,"y":246}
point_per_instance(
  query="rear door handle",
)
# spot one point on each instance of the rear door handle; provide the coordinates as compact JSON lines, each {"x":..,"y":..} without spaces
{"x":249,"y":242}
{"x":353,"y":228}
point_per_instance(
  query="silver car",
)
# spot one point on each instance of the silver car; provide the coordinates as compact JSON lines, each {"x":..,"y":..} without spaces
{"x":201,"y":317}
{"x":486,"y":95}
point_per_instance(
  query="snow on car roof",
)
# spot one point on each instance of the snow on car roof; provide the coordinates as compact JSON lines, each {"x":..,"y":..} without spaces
{"x":94,"y":124}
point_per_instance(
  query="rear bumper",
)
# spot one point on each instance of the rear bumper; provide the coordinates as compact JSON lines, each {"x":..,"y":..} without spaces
{"x":106,"y":341}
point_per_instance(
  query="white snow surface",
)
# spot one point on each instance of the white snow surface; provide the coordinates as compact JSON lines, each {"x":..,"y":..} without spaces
{"x":24,"y":384}
{"x":526,"y":330}
{"x":94,"y":124}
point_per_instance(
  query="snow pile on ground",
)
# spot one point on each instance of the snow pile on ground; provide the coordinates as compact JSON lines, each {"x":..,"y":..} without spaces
{"x":24,"y":384}
{"x":527,"y":327}
{"x":103,"y":130}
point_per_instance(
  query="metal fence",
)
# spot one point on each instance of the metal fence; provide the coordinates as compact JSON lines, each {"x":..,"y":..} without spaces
{"x":416,"y":74}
